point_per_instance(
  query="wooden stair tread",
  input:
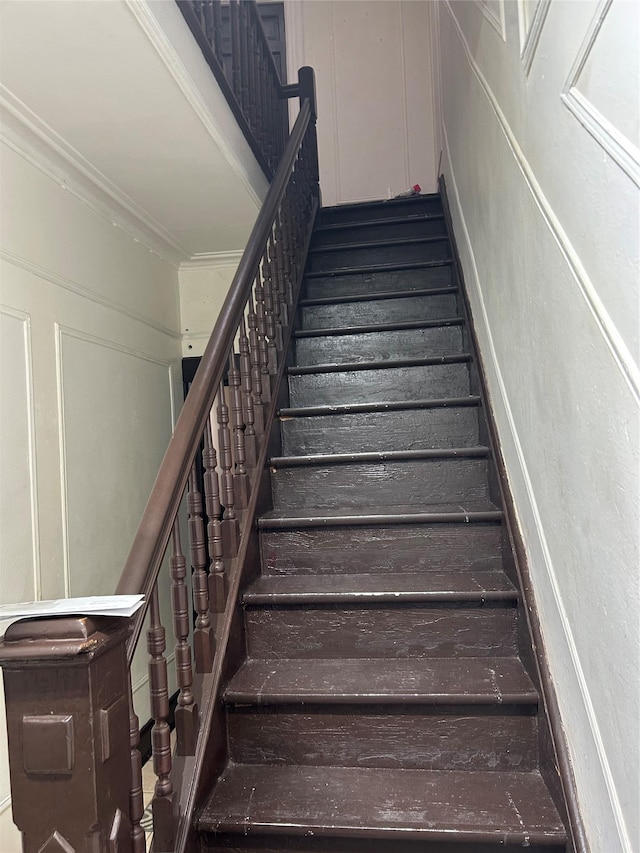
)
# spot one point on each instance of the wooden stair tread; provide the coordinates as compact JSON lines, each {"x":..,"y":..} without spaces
{"x":382,"y":296}
{"x":377,"y":364}
{"x":399,"y":241}
{"x":378,"y":327}
{"x":443,"y":513}
{"x":438,"y":681}
{"x":378,"y":588}
{"x":503,"y":807}
{"x":361,"y":408}
{"x":392,"y":220}
{"x":370,"y":268}
{"x":477,"y":452}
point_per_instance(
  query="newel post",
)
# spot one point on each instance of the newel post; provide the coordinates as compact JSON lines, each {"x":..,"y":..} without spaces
{"x":66,"y":684}
{"x":307,"y":87}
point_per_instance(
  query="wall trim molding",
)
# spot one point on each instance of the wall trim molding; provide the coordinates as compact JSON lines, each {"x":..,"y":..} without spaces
{"x":497,"y":22}
{"x":60,"y":332}
{"x":141,"y":10}
{"x":25,"y":133}
{"x":85,"y":292}
{"x":618,"y":347}
{"x":25,"y":318}
{"x":213,"y":260}
{"x":5,"y":804}
{"x":616,"y":144}
{"x":530,"y":36}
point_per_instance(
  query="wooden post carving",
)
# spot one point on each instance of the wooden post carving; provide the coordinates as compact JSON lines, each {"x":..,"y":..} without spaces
{"x":66,"y":685}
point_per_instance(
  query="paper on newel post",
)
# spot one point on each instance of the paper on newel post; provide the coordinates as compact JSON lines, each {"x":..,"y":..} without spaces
{"x":92,"y":605}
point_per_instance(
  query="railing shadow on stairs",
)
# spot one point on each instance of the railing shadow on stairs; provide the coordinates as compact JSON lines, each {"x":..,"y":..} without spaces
{"x":73,"y":733}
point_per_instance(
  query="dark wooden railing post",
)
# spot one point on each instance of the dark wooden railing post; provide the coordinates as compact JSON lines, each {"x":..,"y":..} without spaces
{"x":66,"y":684}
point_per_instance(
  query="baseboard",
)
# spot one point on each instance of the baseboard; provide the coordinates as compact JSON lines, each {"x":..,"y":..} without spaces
{"x":550,"y":705}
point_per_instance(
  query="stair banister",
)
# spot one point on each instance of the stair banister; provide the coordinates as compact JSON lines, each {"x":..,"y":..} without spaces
{"x":73,"y":733}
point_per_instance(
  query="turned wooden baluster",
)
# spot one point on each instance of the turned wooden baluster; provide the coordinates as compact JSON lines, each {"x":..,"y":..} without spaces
{"x":162,"y":803}
{"x":274,"y":253}
{"x":241,"y":481}
{"x":245,"y":88}
{"x":136,"y":795}
{"x":280,"y":279}
{"x":217,"y":577}
{"x":203,"y":635}
{"x":216,"y":12}
{"x":262,"y":335}
{"x":236,"y":70}
{"x":207,"y":21}
{"x":269,"y":315}
{"x":186,"y":714}
{"x":253,"y":416}
{"x":230,"y":529}
{"x":256,"y":376}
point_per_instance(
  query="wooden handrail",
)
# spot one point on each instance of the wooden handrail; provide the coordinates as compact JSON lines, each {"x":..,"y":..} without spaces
{"x":143,"y":564}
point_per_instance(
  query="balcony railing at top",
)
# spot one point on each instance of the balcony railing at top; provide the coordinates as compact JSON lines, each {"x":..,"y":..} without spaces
{"x":235,"y":46}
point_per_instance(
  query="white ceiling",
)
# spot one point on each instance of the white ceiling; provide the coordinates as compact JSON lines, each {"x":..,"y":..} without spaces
{"x":121,"y":90}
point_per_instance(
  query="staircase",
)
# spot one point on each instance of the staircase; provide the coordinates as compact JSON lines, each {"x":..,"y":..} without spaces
{"x":384,"y":704}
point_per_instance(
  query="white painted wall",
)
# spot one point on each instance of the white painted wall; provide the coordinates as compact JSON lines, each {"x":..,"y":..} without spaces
{"x":204,"y":285}
{"x":544,"y":191}
{"x":375,"y":105}
{"x":90,"y":370}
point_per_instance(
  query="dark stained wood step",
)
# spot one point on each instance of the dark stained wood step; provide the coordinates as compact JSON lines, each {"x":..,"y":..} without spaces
{"x":358,"y":312}
{"x":443,"y":806}
{"x":383,"y":296}
{"x":376,"y":255}
{"x":383,"y":209}
{"x":436,"y":514}
{"x":425,"y":338}
{"x":437,"y":681}
{"x":413,"y":478}
{"x":279,"y":462}
{"x":402,"y":278}
{"x":427,"y":630}
{"x":401,"y":543}
{"x":373,"y":382}
{"x":389,"y":220}
{"x":386,"y":426}
{"x":377,"y":588}
{"x":386,"y":406}
{"x":385,"y":230}
{"x":402,"y":325}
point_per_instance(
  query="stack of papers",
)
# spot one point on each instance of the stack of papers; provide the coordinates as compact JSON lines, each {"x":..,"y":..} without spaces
{"x":92,"y":605}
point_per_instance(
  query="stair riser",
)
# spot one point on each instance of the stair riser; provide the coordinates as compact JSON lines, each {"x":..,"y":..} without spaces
{"x":380,"y":385}
{"x":406,"y":430}
{"x":383,"y":210}
{"x":437,"y":307}
{"x":358,"y":284}
{"x":372,"y":233}
{"x":397,"y":548}
{"x":457,"y":630}
{"x":378,"y":346}
{"x":413,"y":482}
{"x":430,"y":738}
{"x":373,"y":256}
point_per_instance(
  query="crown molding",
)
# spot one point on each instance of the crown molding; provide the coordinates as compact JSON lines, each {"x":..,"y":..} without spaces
{"x":29,"y":136}
{"x":213,"y":260}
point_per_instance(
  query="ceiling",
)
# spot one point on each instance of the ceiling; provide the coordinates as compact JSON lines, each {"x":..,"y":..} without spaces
{"x":121,"y":91}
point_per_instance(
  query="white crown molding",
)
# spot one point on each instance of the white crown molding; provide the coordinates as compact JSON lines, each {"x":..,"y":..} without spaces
{"x":30,"y":137}
{"x":615,"y":143}
{"x":530,"y":35}
{"x":213,"y":260}
{"x":497,"y":22}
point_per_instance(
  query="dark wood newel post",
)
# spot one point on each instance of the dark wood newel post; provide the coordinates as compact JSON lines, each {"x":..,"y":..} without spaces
{"x":66,"y":684}
{"x":307,"y":87}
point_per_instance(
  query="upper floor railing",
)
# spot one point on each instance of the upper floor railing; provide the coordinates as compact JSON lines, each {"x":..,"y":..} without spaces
{"x":74,"y":755}
{"x":233,"y":42}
